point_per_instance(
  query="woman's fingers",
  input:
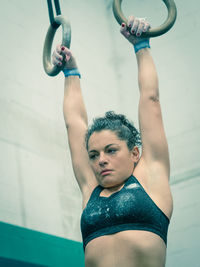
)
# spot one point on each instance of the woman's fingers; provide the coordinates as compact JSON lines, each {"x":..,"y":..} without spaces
{"x":63,"y":56}
{"x":146,"y":27}
{"x":56,"y":62}
{"x":59,"y":53}
{"x":57,"y":58}
{"x":130,"y":21}
{"x":123,"y":30}
{"x":58,"y":48}
{"x":137,"y":25}
{"x":140,"y":27}
{"x":66,"y":52}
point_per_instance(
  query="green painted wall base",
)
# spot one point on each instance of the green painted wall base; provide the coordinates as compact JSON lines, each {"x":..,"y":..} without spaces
{"x":5,"y":262}
{"x":23,"y":247}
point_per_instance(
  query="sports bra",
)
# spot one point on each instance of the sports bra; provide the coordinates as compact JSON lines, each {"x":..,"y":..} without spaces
{"x":131,"y":208}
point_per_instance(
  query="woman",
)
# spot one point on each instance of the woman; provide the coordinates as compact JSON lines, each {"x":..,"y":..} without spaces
{"x":127,"y":202}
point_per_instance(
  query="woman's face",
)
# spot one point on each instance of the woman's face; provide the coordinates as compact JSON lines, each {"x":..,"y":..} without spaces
{"x":110,"y":158}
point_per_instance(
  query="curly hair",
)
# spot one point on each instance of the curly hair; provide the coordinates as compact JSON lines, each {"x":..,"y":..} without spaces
{"x":117,"y":123}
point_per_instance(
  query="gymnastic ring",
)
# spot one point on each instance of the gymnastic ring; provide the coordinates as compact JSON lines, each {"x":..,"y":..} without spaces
{"x":66,"y":40}
{"x":166,"y":26}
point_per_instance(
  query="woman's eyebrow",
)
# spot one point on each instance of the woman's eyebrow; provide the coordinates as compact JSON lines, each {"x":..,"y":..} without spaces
{"x":105,"y":148}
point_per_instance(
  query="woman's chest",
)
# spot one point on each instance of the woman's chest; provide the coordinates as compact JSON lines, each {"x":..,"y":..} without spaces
{"x":129,"y":205}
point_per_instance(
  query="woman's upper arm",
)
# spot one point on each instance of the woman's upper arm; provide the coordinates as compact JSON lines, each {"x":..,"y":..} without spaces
{"x":154,"y":142}
{"x":80,"y":160}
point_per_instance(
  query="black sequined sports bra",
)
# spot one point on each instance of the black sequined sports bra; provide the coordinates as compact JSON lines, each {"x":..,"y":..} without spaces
{"x":131,"y":208}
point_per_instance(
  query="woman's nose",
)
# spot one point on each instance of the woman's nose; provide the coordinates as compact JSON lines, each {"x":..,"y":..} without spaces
{"x":102,"y":160}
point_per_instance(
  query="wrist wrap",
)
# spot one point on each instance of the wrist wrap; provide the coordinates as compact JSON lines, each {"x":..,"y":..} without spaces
{"x":71,"y":72}
{"x":142,"y":44}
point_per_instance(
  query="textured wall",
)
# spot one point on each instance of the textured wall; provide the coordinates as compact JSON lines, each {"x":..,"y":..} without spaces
{"x":37,"y":186}
{"x":184,"y":234}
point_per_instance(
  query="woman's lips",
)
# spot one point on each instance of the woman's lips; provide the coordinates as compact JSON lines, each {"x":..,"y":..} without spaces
{"x":103,"y":173}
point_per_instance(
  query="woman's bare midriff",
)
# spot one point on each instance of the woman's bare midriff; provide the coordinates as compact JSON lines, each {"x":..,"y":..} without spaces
{"x":132,"y":248}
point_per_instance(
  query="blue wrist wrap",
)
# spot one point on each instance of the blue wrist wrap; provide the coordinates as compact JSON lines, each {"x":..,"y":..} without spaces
{"x":143,"y":44}
{"x":71,"y":72}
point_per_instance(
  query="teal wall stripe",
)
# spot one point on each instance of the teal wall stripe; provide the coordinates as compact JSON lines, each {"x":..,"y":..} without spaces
{"x":21,"y":244}
{"x":5,"y":262}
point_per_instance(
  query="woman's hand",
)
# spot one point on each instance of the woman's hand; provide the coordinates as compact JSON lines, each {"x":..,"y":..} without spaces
{"x":138,"y":26}
{"x":63,"y":56}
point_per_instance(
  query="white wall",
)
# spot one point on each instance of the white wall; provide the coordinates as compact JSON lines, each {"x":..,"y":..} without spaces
{"x":184,"y":234}
{"x":37,"y":186}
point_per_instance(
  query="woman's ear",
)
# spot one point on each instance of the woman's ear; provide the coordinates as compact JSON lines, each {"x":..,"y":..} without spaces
{"x":136,"y":153}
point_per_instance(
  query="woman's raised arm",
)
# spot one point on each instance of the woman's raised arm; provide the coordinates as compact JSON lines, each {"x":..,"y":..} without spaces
{"x":75,"y":116}
{"x":154,"y":142}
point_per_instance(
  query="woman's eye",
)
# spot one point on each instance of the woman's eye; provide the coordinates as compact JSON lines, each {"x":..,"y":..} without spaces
{"x":111,"y":151}
{"x":92,"y":156}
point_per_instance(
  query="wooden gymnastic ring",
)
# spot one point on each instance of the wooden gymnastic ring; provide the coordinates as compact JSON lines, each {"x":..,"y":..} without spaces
{"x":66,"y":40}
{"x":166,"y":26}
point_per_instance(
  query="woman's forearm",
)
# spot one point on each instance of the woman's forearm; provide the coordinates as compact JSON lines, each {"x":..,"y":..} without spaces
{"x":147,"y":75}
{"x":73,"y":104}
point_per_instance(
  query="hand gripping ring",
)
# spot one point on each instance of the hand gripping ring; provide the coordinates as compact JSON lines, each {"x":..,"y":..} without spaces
{"x":166,"y":26}
{"x":66,"y":40}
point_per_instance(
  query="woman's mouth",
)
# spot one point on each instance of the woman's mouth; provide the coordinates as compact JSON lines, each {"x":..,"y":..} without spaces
{"x":106,"y":172}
